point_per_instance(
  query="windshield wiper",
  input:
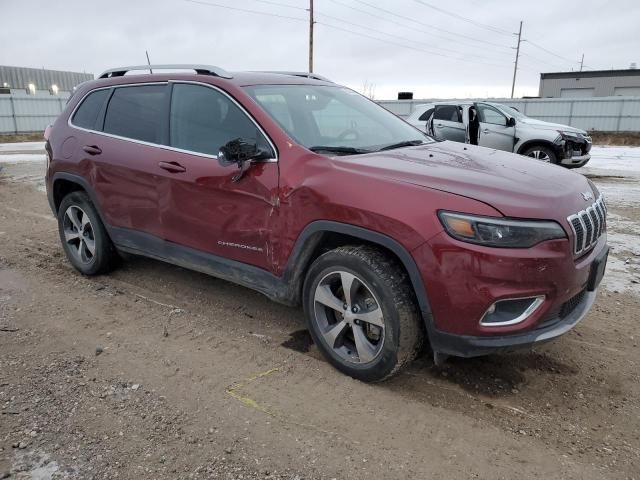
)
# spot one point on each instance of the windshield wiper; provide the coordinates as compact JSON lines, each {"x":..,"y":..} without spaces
{"x":345,"y":150}
{"x":406,"y":143}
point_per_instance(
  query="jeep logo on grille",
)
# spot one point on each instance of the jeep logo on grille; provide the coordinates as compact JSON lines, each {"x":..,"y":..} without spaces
{"x":587,"y":196}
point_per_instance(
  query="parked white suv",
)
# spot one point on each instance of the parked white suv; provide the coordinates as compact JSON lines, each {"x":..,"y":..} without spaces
{"x":504,"y":128}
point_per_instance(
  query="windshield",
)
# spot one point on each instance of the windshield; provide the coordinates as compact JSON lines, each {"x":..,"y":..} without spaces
{"x":334,"y":119}
{"x":510,"y":111}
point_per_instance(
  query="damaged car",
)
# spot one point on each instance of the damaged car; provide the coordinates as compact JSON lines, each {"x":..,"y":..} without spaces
{"x":502,"y":127}
{"x":315,"y":196}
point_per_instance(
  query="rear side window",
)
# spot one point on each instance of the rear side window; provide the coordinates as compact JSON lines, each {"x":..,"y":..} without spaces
{"x":87,"y":114}
{"x":449,"y":113}
{"x":425,"y":116}
{"x":203,"y":120}
{"x":136,"y":112}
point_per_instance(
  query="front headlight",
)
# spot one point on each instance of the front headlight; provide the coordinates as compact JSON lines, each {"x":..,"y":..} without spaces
{"x":499,"y":232}
{"x":573,"y":136}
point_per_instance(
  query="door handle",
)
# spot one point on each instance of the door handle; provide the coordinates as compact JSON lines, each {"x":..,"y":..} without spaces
{"x":486,"y":130}
{"x":173,"y":167}
{"x":439,"y":125}
{"x":92,"y":149}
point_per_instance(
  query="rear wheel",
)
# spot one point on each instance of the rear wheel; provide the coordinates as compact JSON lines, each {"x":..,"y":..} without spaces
{"x":361,"y":312}
{"x":544,"y":154}
{"x":84,"y":238}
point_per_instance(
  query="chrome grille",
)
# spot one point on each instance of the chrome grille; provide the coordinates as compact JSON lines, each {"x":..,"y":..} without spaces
{"x":588,"y":224}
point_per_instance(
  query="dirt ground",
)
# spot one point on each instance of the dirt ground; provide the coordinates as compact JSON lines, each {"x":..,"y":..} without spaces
{"x":156,"y":372}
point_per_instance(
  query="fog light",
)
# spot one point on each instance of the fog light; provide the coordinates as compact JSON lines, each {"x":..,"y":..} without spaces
{"x":511,"y":311}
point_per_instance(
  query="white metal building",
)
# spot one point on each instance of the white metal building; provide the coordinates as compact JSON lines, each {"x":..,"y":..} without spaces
{"x":596,"y":83}
{"x":38,"y":81}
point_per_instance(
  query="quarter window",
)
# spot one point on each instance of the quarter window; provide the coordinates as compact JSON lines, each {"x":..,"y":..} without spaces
{"x":87,"y":114}
{"x":136,"y":112}
{"x":203,"y":120}
{"x":426,"y":115}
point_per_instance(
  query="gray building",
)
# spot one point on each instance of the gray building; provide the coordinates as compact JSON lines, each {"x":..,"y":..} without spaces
{"x":38,"y":81}
{"x":596,"y":83}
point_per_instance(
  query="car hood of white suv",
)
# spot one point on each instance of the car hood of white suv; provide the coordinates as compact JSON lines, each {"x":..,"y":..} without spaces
{"x":549,"y":126}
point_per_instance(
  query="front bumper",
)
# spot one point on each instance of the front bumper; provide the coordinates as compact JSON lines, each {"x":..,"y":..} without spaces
{"x":471,"y":346}
{"x":579,"y":161}
{"x":573,"y":151}
{"x":463,"y":280}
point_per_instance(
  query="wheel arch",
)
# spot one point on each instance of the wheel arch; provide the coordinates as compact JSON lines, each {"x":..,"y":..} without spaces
{"x":538,"y":142}
{"x":63,"y":184}
{"x":323,"y":235}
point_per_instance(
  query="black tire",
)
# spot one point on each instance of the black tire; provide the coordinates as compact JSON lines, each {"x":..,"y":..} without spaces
{"x":104,"y":256}
{"x":542,"y":151}
{"x":380,"y":275}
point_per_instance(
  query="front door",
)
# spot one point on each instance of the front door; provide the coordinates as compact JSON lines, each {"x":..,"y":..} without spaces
{"x":200,"y":204}
{"x":494,"y":130}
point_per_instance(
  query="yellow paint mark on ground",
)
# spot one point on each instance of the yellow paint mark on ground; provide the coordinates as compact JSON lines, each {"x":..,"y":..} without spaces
{"x":248,"y":401}
{"x":234,"y":392}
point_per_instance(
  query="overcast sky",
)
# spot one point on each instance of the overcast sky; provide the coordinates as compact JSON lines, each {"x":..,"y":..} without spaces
{"x":463,"y":51}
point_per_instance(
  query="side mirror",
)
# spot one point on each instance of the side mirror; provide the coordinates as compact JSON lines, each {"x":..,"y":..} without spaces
{"x":511,"y":122}
{"x":241,"y":152}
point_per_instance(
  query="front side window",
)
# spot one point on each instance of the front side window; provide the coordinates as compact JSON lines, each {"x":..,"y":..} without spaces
{"x":491,"y":115}
{"x":137,"y":113}
{"x":203,"y":120}
{"x":86,"y":115}
{"x":333,"y":118}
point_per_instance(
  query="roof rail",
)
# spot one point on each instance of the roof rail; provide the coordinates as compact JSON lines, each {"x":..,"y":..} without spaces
{"x":200,"y":69}
{"x":299,"y":74}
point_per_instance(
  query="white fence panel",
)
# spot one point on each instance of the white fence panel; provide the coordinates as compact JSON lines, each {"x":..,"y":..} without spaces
{"x":606,"y":114}
{"x":24,"y":113}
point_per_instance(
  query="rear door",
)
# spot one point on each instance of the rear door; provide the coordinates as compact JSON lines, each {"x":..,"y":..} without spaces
{"x":447,"y":123}
{"x":494,"y":131}
{"x":201,"y":206}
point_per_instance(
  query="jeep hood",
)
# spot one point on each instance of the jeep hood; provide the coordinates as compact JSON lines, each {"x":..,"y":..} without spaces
{"x":515,"y":185}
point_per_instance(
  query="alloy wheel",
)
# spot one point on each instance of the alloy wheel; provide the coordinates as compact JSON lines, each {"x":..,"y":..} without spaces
{"x":349,"y":317}
{"x":539,"y":155}
{"x":78,"y":234}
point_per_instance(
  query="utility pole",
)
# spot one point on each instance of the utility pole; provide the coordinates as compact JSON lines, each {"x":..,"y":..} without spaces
{"x":582,"y":62}
{"x":515,"y":67}
{"x":311,"y":22}
{"x":148,"y":61}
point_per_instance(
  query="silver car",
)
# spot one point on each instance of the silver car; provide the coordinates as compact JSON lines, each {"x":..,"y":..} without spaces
{"x":501,"y":127}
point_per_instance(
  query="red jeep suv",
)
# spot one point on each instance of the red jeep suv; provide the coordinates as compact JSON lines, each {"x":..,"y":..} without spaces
{"x":311,"y":194}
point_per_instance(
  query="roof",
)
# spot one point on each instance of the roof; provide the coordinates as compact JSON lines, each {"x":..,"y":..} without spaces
{"x":240,"y":78}
{"x":591,"y":74}
{"x":20,"y":77}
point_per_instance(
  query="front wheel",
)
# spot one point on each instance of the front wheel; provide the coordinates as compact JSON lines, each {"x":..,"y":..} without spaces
{"x":544,"y":154}
{"x":361,"y":312}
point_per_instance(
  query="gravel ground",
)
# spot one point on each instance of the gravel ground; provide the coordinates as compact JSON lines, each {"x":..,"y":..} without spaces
{"x":157,"y":372}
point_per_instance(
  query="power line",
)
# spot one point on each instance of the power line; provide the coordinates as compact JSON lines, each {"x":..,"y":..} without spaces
{"x":456,"y":35}
{"x":285,"y":5}
{"x":395,"y":22}
{"x":549,"y":51}
{"x":464,"y":19}
{"x":246,"y":10}
{"x":405,"y":46}
{"x":380,"y":32}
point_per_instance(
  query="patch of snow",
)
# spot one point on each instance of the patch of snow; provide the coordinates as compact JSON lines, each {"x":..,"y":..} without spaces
{"x":21,"y":147}
{"x":613,"y":161}
{"x":22,"y":157}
